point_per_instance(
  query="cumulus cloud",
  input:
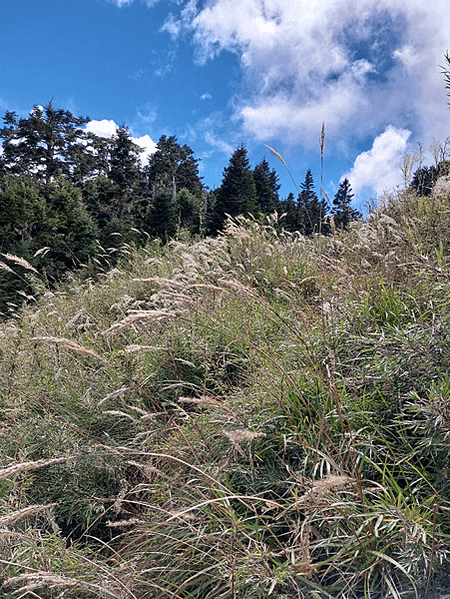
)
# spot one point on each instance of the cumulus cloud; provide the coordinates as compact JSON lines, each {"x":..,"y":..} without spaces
{"x":103,"y":128}
{"x":147,"y":144}
{"x":379,"y":168}
{"x":108,"y":129}
{"x":360,"y":66}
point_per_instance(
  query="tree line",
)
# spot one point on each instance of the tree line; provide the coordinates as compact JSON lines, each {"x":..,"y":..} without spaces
{"x":70,"y":197}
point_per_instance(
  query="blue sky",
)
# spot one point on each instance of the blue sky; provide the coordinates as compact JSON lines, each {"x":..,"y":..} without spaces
{"x":216,"y":73}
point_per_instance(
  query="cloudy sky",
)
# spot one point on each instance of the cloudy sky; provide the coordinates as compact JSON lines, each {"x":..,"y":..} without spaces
{"x":216,"y":73}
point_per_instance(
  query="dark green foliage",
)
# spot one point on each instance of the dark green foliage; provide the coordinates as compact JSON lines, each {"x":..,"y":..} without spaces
{"x":189,"y":211}
{"x":311,"y":210}
{"x":46,"y":144}
{"x":237,"y":194}
{"x":70,"y":231}
{"x":22,"y":229}
{"x":289,"y":211}
{"x":125,"y":166}
{"x":162,"y":216}
{"x":173,"y":167}
{"x":267,"y":187}
{"x":425,"y":177}
{"x":99,"y":196}
{"x":342,"y":212}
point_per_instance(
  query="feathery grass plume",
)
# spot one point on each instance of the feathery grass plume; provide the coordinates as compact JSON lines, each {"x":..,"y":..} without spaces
{"x":50,"y":580}
{"x":239,"y":434}
{"x":72,"y":346}
{"x":129,"y":349}
{"x":136,"y":316}
{"x":42,"y":251}
{"x":23,"y":513}
{"x":117,"y":393}
{"x":27,"y":466}
{"x":322,"y":145}
{"x":4,"y":266}
{"x":20,"y":262}
{"x":280,"y":157}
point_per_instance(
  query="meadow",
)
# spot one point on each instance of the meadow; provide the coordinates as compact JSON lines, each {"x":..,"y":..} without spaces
{"x":253,"y":415}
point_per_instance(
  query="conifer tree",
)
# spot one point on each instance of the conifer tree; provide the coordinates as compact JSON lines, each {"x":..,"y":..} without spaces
{"x":125,"y":172}
{"x":289,"y":211}
{"x":311,"y":210}
{"x":342,"y":212}
{"x":237,"y":193}
{"x":173,"y":167}
{"x":45,"y":145}
{"x":267,"y":187}
{"x":162,"y":216}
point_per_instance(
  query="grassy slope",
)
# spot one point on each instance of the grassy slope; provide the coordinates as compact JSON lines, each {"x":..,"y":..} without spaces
{"x":254,"y":415}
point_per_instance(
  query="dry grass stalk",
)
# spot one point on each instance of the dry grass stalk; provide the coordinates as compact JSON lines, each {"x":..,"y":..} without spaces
{"x":71,"y":345}
{"x":117,"y":393}
{"x":23,"y":513}
{"x":20,"y":261}
{"x":323,"y":486}
{"x":52,"y":581}
{"x":162,"y":281}
{"x":27,"y":466}
{"x":137,"y":316}
{"x":205,"y":401}
{"x":123,"y":523}
{"x":4,"y":266}
{"x":239,"y":434}
{"x":134,"y":348}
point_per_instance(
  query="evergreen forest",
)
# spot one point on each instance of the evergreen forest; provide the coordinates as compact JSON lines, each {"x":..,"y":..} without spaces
{"x":71,"y":199}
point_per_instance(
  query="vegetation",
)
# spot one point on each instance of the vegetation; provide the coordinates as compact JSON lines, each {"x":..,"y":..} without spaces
{"x":255,"y":414}
{"x":112,"y":198}
{"x":262,"y":412}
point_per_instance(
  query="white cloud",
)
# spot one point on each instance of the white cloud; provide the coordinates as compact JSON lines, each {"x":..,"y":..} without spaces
{"x":206,"y":96}
{"x":218,"y":144}
{"x":121,"y":3}
{"x":108,"y":129}
{"x":147,"y":144}
{"x":358,"y":66}
{"x":103,"y":128}
{"x":379,"y":168}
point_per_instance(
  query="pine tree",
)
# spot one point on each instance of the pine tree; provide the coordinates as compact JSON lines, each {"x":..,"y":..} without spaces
{"x":311,"y":210}
{"x":342,"y":212}
{"x":267,"y":187}
{"x":237,"y":193}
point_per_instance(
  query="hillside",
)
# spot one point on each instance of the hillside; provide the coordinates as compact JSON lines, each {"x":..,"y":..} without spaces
{"x":252,"y":415}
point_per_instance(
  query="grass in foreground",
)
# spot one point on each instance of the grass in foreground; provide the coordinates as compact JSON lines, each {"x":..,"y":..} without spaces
{"x":249,"y":416}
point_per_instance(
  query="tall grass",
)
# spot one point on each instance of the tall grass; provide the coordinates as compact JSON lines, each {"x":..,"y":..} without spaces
{"x":249,"y":416}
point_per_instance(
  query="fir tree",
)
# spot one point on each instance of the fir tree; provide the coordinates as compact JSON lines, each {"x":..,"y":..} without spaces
{"x":311,"y":210}
{"x":45,"y":145}
{"x":342,"y":212}
{"x":173,"y":167}
{"x":267,"y":187}
{"x":125,"y":172}
{"x":289,"y":211}
{"x":237,"y":193}
{"x":162,"y":216}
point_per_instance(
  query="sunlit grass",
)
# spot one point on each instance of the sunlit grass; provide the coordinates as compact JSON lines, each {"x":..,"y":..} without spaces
{"x":254,"y":415}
